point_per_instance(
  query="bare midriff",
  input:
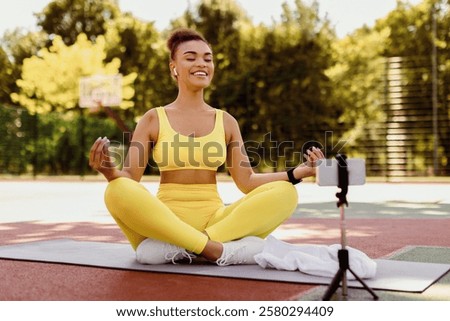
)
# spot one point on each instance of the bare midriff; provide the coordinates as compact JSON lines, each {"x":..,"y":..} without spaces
{"x":188,"y":176}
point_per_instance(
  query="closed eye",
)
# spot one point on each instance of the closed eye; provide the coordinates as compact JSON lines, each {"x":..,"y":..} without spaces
{"x":192,"y":55}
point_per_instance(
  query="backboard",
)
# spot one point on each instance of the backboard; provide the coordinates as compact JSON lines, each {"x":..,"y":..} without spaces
{"x":100,"y":90}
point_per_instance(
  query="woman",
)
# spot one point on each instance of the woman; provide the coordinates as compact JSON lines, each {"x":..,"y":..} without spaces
{"x":189,"y":140}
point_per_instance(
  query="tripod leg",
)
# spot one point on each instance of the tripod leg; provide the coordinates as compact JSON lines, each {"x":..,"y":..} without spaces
{"x":343,"y":265}
{"x":334,"y":285}
{"x":375,"y":297}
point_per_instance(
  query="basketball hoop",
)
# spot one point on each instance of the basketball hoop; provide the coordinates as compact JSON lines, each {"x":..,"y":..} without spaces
{"x":100,"y":91}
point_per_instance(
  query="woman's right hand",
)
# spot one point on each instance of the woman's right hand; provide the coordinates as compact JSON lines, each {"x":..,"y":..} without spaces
{"x":100,"y":160}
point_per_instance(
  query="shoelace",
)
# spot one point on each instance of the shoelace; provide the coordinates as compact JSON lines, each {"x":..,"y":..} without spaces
{"x":225,"y":261}
{"x":173,"y":254}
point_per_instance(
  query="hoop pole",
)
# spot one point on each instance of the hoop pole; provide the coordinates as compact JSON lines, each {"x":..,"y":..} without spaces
{"x":119,"y":122}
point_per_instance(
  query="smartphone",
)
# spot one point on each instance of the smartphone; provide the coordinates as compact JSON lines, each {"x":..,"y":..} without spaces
{"x":327,"y":172}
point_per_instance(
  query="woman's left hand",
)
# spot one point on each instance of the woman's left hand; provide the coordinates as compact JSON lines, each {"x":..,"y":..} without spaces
{"x":313,"y":157}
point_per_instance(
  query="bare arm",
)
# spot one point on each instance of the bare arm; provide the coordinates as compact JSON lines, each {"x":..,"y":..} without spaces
{"x":240,"y":168}
{"x":138,"y":153}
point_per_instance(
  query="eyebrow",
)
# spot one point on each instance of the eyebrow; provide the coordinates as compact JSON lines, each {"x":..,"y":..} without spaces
{"x":194,"y":53}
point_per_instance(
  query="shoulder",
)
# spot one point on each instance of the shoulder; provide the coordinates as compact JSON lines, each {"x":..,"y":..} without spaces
{"x":149,"y":117}
{"x":231,"y":125}
{"x":149,"y":124}
{"x":229,"y":120}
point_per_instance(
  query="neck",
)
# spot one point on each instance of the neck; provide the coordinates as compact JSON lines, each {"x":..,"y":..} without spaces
{"x":190,"y":99}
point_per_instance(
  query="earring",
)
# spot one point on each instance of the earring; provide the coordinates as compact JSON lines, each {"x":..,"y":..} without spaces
{"x":175,"y":72}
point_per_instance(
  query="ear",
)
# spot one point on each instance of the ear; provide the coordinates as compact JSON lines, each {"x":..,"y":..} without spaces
{"x":173,"y":70}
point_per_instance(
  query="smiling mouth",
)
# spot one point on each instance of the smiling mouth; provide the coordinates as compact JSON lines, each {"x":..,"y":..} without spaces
{"x":200,"y":74}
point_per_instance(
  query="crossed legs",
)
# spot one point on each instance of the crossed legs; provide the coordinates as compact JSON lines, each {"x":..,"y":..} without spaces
{"x":141,"y":215}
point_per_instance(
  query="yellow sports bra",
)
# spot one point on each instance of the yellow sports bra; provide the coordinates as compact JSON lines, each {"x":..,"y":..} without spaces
{"x":174,"y":151}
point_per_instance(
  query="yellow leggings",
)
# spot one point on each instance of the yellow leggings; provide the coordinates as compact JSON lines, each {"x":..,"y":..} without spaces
{"x":180,"y":213}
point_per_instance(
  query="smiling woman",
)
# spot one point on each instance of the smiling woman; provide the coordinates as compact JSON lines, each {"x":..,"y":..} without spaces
{"x":191,"y":59}
{"x":190,"y":140}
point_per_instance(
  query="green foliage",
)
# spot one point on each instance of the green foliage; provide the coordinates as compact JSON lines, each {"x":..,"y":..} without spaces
{"x":69,"y":18}
{"x":50,"y":80}
{"x":272,"y":79}
{"x":286,"y":83}
{"x":411,"y":37}
{"x":6,"y":79}
{"x":15,"y":133}
{"x":19,"y":45}
{"x":49,"y":143}
{"x":357,"y":81}
{"x":142,"y":51}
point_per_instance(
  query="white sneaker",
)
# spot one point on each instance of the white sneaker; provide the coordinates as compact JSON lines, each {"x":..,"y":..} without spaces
{"x":152,"y":251}
{"x":241,"y":251}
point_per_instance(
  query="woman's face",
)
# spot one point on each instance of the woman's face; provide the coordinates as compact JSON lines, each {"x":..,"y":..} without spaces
{"x":194,"y":64}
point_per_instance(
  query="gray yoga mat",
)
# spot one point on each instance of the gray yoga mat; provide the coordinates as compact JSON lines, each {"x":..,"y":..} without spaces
{"x":391,"y":275}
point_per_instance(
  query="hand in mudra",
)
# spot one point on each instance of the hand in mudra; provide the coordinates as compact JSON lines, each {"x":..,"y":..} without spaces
{"x":313,"y":157}
{"x":99,"y":157}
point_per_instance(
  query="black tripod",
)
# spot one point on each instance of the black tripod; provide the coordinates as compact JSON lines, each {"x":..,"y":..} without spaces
{"x":341,"y":274}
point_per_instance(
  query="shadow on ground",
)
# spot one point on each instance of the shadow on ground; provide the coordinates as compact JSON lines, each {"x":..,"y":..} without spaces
{"x":12,"y":233}
{"x":379,"y":210}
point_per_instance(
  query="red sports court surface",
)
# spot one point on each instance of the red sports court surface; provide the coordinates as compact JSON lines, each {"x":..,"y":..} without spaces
{"x":379,"y":234}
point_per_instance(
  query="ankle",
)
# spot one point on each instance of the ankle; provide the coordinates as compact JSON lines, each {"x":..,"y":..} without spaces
{"x":212,"y":251}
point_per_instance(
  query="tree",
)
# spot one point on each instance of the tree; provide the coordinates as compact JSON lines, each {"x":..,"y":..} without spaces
{"x":272,"y":79}
{"x":19,"y":45}
{"x":411,"y":39}
{"x":17,"y":127}
{"x":6,"y":80}
{"x":16,"y":46}
{"x":50,"y":80}
{"x":141,"y":50}
{"x":221,"y":23}
{"x":292,"y":91}
{"x":69,"y":18}
{"x":357,"y":80}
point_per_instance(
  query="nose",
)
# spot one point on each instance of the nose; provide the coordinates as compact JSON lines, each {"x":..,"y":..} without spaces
{"x":201,"y":63}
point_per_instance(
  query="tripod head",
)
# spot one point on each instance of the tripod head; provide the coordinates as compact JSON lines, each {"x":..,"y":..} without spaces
{"x":341,"y":172}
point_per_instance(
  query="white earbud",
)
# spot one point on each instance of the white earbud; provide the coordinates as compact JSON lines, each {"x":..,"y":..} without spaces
{"x":175,"y":72}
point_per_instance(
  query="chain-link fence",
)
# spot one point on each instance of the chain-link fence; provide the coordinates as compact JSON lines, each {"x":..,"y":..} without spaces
{"x":52,"y":144}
